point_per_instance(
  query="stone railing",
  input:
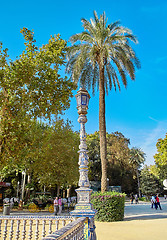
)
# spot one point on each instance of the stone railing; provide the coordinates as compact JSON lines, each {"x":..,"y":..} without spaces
{"x":73,"y":231}
{"x":31,"y":227}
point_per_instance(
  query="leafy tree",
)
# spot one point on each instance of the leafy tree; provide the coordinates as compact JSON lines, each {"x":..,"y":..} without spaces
{"x":58,"y":154}
{"x":103,"y":53}
{"x":30,"y":88}
{"x":93,"y":143}
{"x":149,"y":183}
{"x":137,"y":159}
{"x":161,"y":157}
{"x":155,"y":171}
{"x":49,"y":157}
{"x":120,"y":171}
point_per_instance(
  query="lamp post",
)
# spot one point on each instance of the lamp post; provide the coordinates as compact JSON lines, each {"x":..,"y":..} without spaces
{"x":83,"y":207}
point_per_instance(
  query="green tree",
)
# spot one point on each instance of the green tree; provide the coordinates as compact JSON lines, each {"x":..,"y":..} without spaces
{"x":103,"y":53}
{"x":49,"y":157}
{"x":30,"y":88}
{"x":161,"y":157}
{"x":58,"y":153}
{"x":137,"y":159}
{"x":155,"y":171}
{"x":149,"y":183}
{"x":120,"y":171}
{"x":93,"y":143}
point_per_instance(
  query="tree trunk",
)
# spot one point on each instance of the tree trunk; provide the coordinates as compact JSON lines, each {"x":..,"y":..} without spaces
{"x":58,"y":190}
{"x":138,"y":183}
{"x":23,"y":184}
{"x":102,"y":131}
{"x":28,"y":189}
{"x":68,"y":191}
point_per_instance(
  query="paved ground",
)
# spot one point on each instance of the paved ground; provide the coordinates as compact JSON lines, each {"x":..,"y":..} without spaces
{"x":144,"y":211}
{"x":140,"y":223}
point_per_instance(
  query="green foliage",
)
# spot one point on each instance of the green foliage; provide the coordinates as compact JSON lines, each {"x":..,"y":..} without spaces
{"x":143,"y":199}
{"x":58,"y":153}
{"x":109,"y":206}
{"x":32,"y":83}
{"x":102,"y":46}
{"x":156,"y":171}
{"x":137,"y":157}
{"x":120,"y":170}
{"x":161,"y":157}
{"x":49,"y":157}
{"x":30,"y":88}
{"x":149,"y":184}
{"x":93,"y":144}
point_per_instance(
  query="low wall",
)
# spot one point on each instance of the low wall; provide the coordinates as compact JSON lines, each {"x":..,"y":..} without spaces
{"x":31,"y":227}
{"x":74,"y":230}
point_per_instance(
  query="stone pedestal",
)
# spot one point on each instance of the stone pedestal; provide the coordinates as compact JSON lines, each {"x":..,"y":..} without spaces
{"x":84,"y":208}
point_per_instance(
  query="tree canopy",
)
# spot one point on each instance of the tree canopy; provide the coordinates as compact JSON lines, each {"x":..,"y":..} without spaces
{"x":120,"y":170}
{"x":59,"y":156}
{"x":49,"y":157}
{"x":149,"y":183}
{"x":30,"y":88}
{"x":32,"y":83}
{"x":161,"y":157}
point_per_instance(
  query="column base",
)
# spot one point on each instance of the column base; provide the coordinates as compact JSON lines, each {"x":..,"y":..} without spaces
{"x":85,"y":209}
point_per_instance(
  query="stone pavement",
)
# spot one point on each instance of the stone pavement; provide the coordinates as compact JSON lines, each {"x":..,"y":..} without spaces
{"x":140,"y":223}
{"x":144,"y":211}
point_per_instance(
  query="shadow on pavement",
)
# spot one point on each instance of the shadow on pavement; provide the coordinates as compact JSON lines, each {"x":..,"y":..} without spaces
{"x":145,"y":217}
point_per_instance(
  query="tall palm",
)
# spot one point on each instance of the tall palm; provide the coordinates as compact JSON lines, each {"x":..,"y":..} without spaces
{"x":137,"y":158}
{"x":102,"y":53}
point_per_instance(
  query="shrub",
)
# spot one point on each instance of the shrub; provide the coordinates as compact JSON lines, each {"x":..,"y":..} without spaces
{"x":143,"y":199}
{"x":109,"y":206}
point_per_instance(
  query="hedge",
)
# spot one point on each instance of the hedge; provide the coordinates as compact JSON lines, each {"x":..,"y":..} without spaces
{"x":109,"y":206}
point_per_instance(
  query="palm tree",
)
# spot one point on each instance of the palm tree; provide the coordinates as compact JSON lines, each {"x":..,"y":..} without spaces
{"x":102,"y":53}
{"x":137,"y":158}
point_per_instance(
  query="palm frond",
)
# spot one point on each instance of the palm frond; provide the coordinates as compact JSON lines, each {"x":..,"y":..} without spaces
{"x":112,"y":26}
{"x":95,"y":17}
{"x":121,"y":71}
{"x":88,"y":27}
{"x":106,"y":45}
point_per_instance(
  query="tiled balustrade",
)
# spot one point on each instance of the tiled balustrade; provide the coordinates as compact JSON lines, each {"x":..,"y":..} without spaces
{"x":31,"y":227}
{"x":73,"y":231}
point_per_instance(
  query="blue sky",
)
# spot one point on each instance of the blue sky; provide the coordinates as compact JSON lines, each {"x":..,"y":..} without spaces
{"x":139,"y":111}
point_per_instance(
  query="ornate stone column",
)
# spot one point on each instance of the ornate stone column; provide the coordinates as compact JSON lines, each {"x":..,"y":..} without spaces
{"x":83,"y":207}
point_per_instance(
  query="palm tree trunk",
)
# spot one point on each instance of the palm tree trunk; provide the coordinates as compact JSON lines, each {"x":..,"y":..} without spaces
{"x":102,"y":130}
{"x":138,"y":183}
